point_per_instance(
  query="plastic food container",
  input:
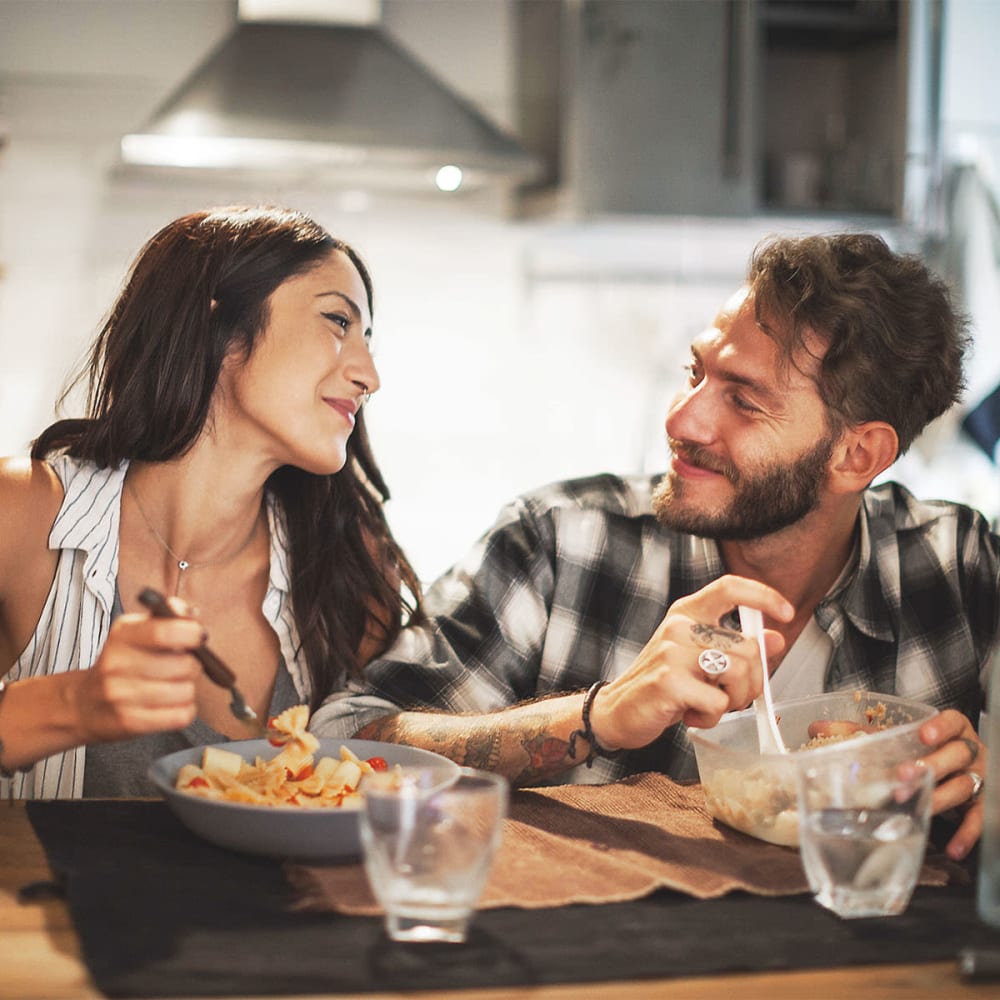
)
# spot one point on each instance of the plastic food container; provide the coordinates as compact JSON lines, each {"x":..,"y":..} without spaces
{"x":756,"y":793}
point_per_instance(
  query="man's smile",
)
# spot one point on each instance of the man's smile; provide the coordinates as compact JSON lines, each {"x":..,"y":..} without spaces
{"x":694,"y":463}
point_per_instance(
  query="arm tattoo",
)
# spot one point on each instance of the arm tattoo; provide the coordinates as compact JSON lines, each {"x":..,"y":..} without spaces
{"x":546,"y":755}
{"x":482,"y":750}
{"x":385,"y":730}
{"x":714,"y":635}
{"x":525,"y":750}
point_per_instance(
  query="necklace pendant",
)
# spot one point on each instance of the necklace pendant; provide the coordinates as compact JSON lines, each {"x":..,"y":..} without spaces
{"x":183,"y":564}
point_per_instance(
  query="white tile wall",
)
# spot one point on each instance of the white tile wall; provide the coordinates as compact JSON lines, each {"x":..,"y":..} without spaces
{"x":511,"y":353}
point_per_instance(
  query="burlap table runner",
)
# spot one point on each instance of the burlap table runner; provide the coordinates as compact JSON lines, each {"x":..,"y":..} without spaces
{"x":605,"y":844}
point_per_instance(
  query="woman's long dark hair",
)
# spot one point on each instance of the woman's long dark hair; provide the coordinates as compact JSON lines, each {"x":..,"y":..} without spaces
{"x":198,"y":289}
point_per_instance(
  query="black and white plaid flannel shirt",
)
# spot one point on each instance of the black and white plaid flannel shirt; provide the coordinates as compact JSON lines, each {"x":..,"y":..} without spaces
{"x":572,"y":580}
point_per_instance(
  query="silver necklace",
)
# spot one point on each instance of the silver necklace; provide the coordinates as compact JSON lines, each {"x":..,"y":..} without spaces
{"x":184,"y":565}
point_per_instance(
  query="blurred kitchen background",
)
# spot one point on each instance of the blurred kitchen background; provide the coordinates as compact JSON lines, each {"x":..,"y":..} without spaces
{"x":619,"y":160}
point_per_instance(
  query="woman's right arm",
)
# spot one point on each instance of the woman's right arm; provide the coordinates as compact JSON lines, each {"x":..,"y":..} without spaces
{"x":143,"y":679}
{"x":142,"y":682}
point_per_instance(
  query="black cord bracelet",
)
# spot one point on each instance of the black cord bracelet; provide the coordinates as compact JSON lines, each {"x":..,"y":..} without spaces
{"x":586,"y":732}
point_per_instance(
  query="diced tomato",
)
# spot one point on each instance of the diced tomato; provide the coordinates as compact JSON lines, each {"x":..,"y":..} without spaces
{"x":377,"y":764}
{"x":198,"y":783}
{"x":275,"y":736}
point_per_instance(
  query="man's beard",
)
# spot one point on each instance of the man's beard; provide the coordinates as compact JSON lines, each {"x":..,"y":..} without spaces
{"x":766,"y":500}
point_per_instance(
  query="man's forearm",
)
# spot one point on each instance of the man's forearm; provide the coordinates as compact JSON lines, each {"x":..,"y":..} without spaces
{"x":527,"y":744}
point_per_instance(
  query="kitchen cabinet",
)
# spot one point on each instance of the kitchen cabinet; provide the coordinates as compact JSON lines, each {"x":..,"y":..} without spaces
{"x":663,"y":106}
{"x":715,"y":107}
{"x":833,"y":104}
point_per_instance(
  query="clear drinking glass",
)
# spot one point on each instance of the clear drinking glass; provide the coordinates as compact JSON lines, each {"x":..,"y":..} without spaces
{"x":988,"y":891}
{"x":428,"y":849}
{"x":862,"y":833}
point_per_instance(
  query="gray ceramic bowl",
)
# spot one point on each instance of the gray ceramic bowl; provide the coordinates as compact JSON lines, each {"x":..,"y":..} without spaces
{"x":283,"y":831}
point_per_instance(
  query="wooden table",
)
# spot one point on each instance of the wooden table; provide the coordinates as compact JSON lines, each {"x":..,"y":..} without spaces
{"x":40,"y":957}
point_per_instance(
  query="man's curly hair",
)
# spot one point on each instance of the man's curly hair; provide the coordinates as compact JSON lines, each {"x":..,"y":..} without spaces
{"x":894,"y":342}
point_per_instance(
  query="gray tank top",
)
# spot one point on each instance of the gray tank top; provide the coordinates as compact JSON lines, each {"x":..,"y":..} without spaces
{"x":118,"y":770}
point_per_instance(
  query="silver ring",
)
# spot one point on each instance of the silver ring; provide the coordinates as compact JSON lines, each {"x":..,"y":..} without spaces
{"x":977,"y":785}
{"x":713,"y":662}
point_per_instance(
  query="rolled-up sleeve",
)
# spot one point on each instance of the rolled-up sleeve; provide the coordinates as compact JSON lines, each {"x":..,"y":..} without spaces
{"x":478,"y":649}
{"x":343,"y":714}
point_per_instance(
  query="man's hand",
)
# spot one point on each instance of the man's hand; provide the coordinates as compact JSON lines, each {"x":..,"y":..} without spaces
{"x":956,"y":755}
{"x":530,"y":742}
{"x":666,"y":685}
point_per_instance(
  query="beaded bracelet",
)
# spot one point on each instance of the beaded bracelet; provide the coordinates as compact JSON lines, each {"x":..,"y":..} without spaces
{"x":6,"y":772}
{"x":587,"y":732}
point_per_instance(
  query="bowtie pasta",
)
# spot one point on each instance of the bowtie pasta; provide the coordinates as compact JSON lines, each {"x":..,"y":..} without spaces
{"x":292,"y":778}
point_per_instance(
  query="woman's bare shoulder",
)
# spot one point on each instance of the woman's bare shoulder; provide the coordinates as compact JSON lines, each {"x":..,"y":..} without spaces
{"x":30,"y":496}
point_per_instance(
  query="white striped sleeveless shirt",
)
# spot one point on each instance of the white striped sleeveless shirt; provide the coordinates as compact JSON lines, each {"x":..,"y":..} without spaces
{"x":77,"y":614}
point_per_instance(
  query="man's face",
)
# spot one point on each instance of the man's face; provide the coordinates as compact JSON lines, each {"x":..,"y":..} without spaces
{"x":750,"y":440}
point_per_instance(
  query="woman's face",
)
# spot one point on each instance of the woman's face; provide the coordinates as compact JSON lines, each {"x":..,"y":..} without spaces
{"x":294,"y":399}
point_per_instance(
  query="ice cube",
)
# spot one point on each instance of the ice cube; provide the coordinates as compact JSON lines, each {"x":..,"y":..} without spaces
{"x":894,"y":828}
{"x":888,"y":865}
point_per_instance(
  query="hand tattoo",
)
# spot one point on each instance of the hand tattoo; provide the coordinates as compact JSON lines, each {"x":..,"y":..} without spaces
{"x":714,"y":636}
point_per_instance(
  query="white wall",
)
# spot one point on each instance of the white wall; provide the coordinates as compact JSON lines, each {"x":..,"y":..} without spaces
{"x":512,"y":353}
{"x":970,"y":97}
{"x":970,"y":133}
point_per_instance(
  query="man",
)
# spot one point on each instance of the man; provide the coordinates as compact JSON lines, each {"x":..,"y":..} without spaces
{"x":577,"y":626}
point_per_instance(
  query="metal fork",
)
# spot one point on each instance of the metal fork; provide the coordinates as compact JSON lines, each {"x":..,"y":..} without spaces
{"x":214,"y":668}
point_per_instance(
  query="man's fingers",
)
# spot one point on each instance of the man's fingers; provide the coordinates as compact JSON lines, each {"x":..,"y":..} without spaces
{"x":967,"y":835}
{"x":719,"y":597}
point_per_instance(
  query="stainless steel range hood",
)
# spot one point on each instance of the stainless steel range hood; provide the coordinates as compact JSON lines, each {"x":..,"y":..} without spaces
{"x":338,"y":99}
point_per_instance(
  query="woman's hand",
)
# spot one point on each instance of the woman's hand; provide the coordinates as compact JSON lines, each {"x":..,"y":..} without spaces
{"x":665,"y":684}
{"x":142,"y":682}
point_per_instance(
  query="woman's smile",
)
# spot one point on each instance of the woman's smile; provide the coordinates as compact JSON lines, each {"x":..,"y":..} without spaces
{"x":347,"y":407}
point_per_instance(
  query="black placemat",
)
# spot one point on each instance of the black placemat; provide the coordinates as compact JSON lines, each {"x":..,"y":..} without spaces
{"x":162,"y":913}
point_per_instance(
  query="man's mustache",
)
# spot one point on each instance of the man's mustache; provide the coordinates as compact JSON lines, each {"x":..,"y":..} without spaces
{"x":701,"y":458}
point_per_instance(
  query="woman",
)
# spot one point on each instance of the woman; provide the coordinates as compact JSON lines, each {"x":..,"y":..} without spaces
{"x":224,"y":461}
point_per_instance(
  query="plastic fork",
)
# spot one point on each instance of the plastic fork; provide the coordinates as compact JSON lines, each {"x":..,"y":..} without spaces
{"x":214,"y":668}
{"x":768,"y":736}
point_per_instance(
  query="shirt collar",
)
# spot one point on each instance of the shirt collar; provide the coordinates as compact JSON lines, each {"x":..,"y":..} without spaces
{"x":863,"y":594}
{"x":88,"y":520}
